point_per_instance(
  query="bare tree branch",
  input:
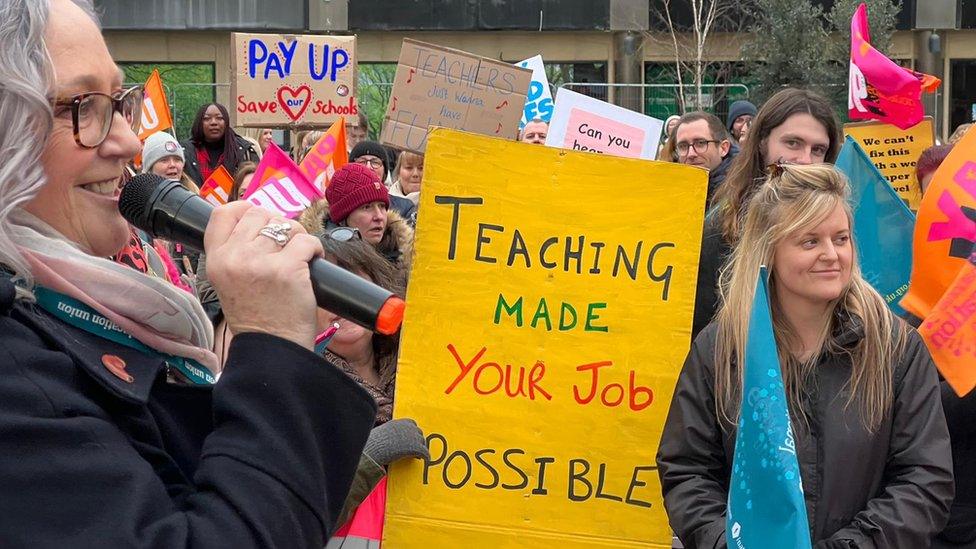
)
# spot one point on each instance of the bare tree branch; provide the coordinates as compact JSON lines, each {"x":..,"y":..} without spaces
{"x":693,"y":63}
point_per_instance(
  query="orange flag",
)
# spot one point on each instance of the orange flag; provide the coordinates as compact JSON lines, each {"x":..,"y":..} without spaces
{"x":216,"y":189}
{"x":945,"y":230}
{"x":327,"y":156}
{"x":155,"y":110}
{"x":950,"y":331}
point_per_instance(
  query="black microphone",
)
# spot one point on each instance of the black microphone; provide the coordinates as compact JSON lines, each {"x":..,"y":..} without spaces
{"x":166,"y":210}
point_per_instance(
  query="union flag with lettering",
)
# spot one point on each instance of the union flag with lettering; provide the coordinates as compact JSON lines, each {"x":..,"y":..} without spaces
{"x":280,"y":186}
{"x":880,"y":89}
{"x":156,"y":115}
{"x":326,"y":156}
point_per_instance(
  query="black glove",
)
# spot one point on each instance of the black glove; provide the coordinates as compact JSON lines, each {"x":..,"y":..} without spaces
{"x":394,"y":440}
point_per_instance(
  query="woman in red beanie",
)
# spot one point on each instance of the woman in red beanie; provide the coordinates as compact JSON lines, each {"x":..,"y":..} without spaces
{"x":356,"y":198}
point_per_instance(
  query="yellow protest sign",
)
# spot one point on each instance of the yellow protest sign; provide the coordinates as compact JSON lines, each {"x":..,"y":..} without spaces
{"x":895,"y":152}
{"x":550,"y":311}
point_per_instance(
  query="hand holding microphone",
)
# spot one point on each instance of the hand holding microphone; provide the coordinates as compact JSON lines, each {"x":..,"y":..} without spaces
{"x":263,"y":286}
{"x":262,"y":267}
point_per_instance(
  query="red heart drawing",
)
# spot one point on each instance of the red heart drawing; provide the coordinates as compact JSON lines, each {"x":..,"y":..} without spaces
{"x":295,"y":112}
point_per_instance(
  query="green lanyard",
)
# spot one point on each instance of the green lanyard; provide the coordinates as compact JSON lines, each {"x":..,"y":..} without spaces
{"x":77,"y":314}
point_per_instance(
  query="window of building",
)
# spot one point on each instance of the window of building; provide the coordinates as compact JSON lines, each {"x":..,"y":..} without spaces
{"x":962,"y":108}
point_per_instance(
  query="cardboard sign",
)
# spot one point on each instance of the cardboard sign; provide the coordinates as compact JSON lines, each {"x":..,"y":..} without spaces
{"x":946,"y":228}
{"x":895,"y":152}
{"x":437,"y":86}
{"x":542,"y":344}
{"x":538,"y":104}
{"x":582,"y":123}
{"x":292,"y":81}
{"x":280,"y":186}
{"x":950,"y":331}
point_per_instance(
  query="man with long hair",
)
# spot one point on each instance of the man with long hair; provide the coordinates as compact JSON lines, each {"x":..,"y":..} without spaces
{"x":794,"y":126}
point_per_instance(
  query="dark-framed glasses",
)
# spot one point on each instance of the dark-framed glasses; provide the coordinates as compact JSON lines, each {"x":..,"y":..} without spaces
{"x":93,"y":113}
{"x":700,"y":146}
{"x":344,"y":234}
{"x":371,"y":162}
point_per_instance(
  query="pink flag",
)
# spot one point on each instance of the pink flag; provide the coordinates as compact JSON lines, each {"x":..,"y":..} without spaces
{"x":880,"y":89}
{"x":280,"y":186}
{"x":327,"y":155}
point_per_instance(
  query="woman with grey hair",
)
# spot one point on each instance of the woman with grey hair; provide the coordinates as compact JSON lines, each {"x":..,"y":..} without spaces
{"x":113,"y":429}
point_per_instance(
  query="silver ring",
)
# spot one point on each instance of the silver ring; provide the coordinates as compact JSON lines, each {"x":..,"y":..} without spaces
{"x":277,"y":232}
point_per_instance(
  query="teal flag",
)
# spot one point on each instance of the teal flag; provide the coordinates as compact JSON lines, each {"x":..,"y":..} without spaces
{"x":883,"y":226}
{"x":766,"y":508}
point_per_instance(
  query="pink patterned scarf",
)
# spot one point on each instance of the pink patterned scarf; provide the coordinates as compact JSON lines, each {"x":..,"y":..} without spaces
{"x":155,"y":312}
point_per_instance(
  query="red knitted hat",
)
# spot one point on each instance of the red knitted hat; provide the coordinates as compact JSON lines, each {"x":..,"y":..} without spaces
{"x":351,"y":187}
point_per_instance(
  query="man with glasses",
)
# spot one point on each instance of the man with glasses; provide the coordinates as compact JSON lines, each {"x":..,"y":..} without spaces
{"x":701,"y":140}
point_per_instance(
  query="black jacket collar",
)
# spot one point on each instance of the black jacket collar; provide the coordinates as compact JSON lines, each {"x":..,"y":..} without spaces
{"x":94,"y":355}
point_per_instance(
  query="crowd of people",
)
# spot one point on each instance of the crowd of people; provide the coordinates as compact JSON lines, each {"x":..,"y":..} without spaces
{"x":885,"y":450}
{"x":113,"y":440}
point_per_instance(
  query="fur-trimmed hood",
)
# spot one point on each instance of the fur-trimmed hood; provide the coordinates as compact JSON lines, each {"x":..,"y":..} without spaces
{"x":316,"y":221}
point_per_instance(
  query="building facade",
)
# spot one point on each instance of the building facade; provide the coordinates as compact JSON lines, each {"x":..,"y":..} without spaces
{"x":611,"y":49}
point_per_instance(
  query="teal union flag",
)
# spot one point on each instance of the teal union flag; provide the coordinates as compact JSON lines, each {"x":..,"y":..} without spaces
{"x":765,"y":509}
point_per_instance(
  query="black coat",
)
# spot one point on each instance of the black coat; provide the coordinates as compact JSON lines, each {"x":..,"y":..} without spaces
{"x":961,"y":418}
{"x":717,"y":176}
{"x":888,"y":489}
{"x":714,"y":254}
{"x":245,"y":153}
{"x":406,"y":208}
{"x":263,"y":459}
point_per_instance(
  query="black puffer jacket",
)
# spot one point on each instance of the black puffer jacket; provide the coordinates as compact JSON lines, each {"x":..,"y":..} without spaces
{"x":715,"y":251}
{"x":717,"y":176}
{"x":960,"y":413}
{"x":92,"y":458}
{"x":889,"y":489}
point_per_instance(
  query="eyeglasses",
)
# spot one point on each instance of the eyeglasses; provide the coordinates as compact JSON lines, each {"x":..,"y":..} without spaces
{"x":344,"y":234}
{"x":700,"y":145}
{"x":92,"y":114}
{"x":372,"y":162}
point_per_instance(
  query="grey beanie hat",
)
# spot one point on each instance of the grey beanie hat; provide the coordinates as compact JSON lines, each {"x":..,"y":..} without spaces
{"x":739,"y":108}
{"x":158,"y":146}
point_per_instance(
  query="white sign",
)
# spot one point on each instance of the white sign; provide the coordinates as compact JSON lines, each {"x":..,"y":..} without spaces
{"x":582,"y":123}
{"x":538,"y":103}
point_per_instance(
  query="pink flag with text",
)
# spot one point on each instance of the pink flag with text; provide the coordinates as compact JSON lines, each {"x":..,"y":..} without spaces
{"x":327,"y":155}
{"x":880,"y":89}
{"x":280,"y":186}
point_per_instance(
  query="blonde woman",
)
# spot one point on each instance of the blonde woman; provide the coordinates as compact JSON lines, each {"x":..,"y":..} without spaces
{"x":409,"y":175}
{"x":871,"y":437}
